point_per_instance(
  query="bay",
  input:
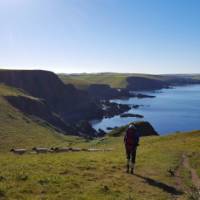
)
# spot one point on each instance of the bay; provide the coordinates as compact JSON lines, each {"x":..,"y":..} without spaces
{"x":172,"y":110}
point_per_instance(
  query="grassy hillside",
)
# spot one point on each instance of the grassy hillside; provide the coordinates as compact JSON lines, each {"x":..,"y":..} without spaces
{"x":196,"y":77}
{"x":18,"y":130}
{"x":92,"y":175}
{"x":119,"y":80}
{"x":101,"y":175}
{"x":115,"y":80}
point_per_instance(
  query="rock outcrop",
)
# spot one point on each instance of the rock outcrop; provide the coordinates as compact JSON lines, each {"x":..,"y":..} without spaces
{"x":141,"y":83}
{"x":65,"y":100}
{"x":58,"y":104}
{"x":103,"y":91}
{"x":36,"y":108}
{"x":110,"y":109}
{"x":124,"y":115}
{"x":144,"y":127}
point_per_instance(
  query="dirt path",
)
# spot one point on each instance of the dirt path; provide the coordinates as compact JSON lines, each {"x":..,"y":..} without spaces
{"x":184,"y":163}
{"x":179,"y":182}
{"x":194,"y":176}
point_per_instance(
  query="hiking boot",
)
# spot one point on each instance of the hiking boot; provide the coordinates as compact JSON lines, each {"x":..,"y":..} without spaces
{"x":127,"y":169}
{"x":132,"y":168}
{"x":132,"y":171}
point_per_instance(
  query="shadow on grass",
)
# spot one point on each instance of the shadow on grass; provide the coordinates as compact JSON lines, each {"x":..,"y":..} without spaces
{"x":163,"y":186}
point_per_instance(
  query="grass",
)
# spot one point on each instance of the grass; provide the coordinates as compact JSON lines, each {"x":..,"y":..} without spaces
{"x":115,"y":80}
{"x":83,"y":81}
{"x":195,"y":161}
{"x":87,"y":175}
{"x":98,"y":175}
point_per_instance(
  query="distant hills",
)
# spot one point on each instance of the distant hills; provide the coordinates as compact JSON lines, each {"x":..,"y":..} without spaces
{"x":108,"y":85}
{"x":130,"y":80}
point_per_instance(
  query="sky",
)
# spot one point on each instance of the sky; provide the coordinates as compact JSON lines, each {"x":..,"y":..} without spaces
{"x":74,"y":36}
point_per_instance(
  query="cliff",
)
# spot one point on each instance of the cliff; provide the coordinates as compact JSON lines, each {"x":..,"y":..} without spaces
{"x":129,"y":80}
{"x":145,"y":128}
{"x":68,"y":102}
{"x":37,"y":108}
{"x":103,"y":91}
{"x":60,"y":105}
{"x":141,"y":83}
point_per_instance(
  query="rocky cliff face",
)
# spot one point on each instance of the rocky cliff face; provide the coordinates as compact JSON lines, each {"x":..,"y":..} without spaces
{"x":65,"y":100}
{"x":38,"y":109}
{"x":58,"y":104}
{"x":140,"y":83}
{"x":145,"y":128}
{"x":103,"y":91}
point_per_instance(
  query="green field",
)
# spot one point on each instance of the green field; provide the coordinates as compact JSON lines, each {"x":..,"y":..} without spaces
{"x":92,"y":175}
{"x":118,"y":80}
{"x":196,"y":77}
{"x":101,"y":175}
{"x":115,"y":80}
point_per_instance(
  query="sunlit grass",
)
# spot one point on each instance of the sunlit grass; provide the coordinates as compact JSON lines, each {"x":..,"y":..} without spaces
{"x":97,"y":175}
{"x":87,"y":175}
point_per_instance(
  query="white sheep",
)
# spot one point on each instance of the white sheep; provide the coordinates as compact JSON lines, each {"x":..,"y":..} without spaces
{"x":94,"y":150}
{"x":18,"y":151}
{"x":61,"y":149}
{"x":75,"y":149}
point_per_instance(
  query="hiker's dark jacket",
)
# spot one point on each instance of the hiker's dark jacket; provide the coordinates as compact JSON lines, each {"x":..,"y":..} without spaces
{"x":131,"y":139}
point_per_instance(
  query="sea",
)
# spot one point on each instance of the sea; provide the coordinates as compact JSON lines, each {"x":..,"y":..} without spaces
{"x":172,"y":110}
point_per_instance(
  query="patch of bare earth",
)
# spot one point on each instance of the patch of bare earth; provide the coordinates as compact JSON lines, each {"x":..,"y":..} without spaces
{"x":195,"y":191}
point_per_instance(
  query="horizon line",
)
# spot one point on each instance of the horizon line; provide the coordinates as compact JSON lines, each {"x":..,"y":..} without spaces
{"x":99,"y":72}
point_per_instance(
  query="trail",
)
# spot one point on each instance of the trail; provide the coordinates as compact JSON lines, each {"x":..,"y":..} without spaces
{"x":194,"y":177}
{"x":179,"y":182}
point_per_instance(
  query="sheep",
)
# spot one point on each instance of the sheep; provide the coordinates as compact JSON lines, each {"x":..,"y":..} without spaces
{"x":75,"y":149}
{"x":84,"y":149}
{"x":18,"y":151}
{"x":94,"y":150}
{"x":40,"y":150}
{"x":61,"y":149}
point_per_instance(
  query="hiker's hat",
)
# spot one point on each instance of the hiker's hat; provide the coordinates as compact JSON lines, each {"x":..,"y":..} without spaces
{"x":132,"y":126}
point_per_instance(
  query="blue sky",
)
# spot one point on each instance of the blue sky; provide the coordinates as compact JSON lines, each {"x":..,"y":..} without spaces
{"x":146,"y":36}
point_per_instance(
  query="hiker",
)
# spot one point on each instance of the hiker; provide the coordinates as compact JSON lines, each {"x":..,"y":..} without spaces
{"x":131,"y":141}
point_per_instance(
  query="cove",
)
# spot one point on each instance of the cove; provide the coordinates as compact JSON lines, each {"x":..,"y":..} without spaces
{"x":172,"y":110}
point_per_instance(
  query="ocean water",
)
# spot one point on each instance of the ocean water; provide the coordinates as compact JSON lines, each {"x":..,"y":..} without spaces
{"x":172,"y":110}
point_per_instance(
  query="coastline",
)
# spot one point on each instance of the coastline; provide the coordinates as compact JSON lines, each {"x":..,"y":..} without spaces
{"x":167,"y":112}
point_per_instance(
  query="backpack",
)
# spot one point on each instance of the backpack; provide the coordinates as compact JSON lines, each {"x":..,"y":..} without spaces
{"x":131,"y":138}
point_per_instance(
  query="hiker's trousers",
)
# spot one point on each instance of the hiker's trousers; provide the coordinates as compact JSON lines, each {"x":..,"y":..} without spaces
{"x":131,"y":154}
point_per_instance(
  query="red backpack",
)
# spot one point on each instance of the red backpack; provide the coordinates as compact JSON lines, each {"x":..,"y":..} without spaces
{"x":130,"y":137}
